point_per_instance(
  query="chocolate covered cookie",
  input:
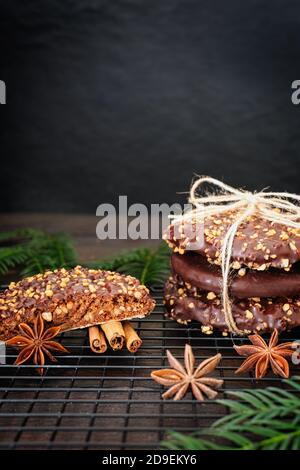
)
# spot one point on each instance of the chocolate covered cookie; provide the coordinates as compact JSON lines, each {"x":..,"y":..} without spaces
{"x":71,"y":299}
{"x":258,"y":243}
{"x":243,"y":283}
{"x":185,"y":302}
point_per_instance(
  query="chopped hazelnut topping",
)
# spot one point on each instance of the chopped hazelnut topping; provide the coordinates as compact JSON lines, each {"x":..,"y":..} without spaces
{"x":206,"y":329}
{"x":284,"y":236}
{"x":47,"y":316}
{"x":259,"y":246}
{"x":284,"y":263}
{"x":211,"y":296}
{"x":248,"y":314}
{"x":293,"y":246}
{"x":262,"y":267}
{"x":236,"y":265}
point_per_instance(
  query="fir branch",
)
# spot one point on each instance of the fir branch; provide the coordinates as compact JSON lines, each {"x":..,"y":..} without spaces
{"x":33,"y":251}
{"x":19,"y":234}
{"x":49,"y":252}
{"x":262,"y":419}
{"x":150,"y":266}
{"x":10,"y":257}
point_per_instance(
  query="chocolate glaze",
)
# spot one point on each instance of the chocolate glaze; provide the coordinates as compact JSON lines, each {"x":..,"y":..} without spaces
{"x":190,"y":303}
{"x":194,"y":268}
{"x":258,"y":242}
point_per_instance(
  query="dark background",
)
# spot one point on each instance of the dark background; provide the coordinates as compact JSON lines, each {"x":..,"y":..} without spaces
{"x":133,"y":97}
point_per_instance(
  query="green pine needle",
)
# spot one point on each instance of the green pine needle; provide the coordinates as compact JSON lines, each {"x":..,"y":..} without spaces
{"x":49,"y":252}
{"x":262,"y":419}
{"x":33,"y":251}
{"x":150,"y":266}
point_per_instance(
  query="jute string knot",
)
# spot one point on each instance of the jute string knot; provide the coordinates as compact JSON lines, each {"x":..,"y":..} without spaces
{"x":281,"y":208}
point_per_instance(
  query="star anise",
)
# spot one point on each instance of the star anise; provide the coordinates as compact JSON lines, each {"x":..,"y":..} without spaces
{"x":262,"y":355}
{"x":36,"y":342}
{"x":179,"y":379}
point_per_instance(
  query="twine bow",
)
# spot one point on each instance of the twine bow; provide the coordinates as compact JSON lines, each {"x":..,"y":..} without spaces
{"x":271,"y":206}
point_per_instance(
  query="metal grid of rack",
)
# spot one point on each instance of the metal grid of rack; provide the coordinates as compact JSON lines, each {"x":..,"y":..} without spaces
{"x":109,"y":401}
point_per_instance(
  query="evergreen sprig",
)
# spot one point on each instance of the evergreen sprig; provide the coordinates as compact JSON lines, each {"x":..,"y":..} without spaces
{"x":265,"y":419}
{"x":33,"y":251}
{"x":150,"y":266}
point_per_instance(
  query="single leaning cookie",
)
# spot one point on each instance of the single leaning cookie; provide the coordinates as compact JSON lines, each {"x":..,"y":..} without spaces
{"x":72,"y":299}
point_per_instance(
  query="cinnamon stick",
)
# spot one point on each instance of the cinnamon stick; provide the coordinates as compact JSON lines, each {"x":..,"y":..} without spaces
{"x":97,"y":340}
{"x":133,"y":341}
{"x":114,"y":334}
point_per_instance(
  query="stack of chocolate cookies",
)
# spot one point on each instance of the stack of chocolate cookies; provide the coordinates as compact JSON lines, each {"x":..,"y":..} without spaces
{"x":264,"y":285}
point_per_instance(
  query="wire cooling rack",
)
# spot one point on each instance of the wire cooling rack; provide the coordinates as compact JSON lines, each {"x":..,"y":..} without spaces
{"x":109,"y":401}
